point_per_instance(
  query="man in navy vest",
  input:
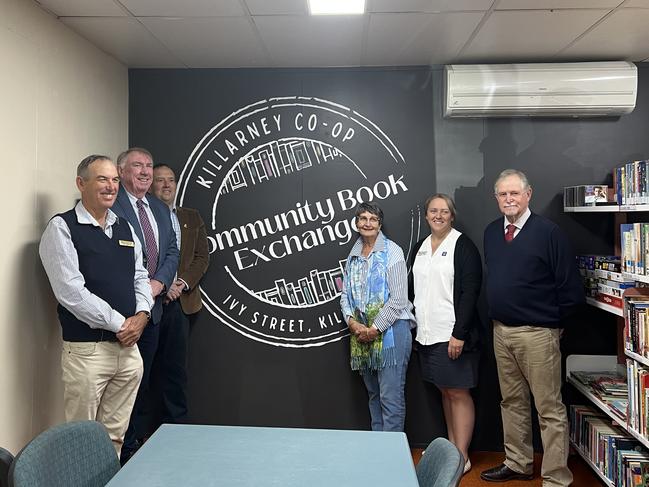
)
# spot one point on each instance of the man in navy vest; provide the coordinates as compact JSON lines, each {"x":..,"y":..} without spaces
{"x":152,"y":223}
{"x":96,"y":270}
{"x":533,"y":288}
{"x":183,"y":299}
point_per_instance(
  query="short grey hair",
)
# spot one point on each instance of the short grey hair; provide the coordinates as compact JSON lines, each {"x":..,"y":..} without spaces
{"x":121,"y":159}
{"x":512,"y":172}
{"x":370,"y":207}
{"x":82,"y":168}
{"x":449,"y":202}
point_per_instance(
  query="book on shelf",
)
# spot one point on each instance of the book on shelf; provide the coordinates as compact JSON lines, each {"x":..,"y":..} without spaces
{"x":638,"y":410}
{"x":616,"y":454}
{"x":634,"y":241}
{"x":607,"y":386}
{"x":602,"y":278}
{"x":630,"y":464}
{"x":636,"y":321}
{"x":610,"y":300}
{"x":588,"y":195}
{"x":619,"y":407}
{"x":631,"y":183}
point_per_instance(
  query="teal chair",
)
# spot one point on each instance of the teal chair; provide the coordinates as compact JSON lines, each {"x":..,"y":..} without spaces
{"x":442,"y":465}
{"x":6,"y":459}
{"x":77,"y":454}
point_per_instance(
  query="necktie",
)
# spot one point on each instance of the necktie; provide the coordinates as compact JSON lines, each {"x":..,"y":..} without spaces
{"x":509,"y":234}
{"x":149,"y":240}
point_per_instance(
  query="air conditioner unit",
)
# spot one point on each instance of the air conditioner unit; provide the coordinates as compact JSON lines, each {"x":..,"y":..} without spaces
{"x":540,"y":90}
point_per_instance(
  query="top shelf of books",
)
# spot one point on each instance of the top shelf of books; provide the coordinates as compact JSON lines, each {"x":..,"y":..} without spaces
{"x":605,"y":208}
{"x":594,"y":209}
{"x":630,"y":191}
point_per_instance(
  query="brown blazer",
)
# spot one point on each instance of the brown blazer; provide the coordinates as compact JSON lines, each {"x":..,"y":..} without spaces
{"x":194,"y":257}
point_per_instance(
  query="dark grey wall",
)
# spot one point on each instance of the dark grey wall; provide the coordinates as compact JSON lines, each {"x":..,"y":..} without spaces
{"x":239,"y":381}
{"x":469,"y":154}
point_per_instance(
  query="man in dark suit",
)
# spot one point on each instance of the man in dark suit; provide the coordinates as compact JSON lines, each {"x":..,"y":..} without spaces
{"x":152,"y":224}
{"x":183,"y":300}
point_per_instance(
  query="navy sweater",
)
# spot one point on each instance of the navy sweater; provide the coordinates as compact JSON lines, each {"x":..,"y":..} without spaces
{"x":108,"y":269}
{"x":533,"y":280}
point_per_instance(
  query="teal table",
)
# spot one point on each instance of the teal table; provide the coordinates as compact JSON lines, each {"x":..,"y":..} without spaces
{"x":234,"y":456}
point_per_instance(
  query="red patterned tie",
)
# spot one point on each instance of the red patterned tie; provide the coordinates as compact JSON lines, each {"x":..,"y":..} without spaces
{"x":151,"y":248}
{"x":509,"y":234}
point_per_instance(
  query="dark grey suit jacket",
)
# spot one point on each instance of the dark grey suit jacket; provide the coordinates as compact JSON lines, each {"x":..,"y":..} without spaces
{"x":168,"y":254}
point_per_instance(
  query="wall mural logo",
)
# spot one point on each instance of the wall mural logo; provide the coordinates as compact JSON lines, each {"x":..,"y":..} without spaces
{"x":277,"y":182}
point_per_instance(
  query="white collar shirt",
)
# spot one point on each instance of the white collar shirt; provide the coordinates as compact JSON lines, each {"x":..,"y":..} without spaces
{"x":433,"y":275}
{"x":518,"y":223}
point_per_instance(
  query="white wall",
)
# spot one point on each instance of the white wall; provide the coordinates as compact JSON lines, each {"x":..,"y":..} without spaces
{"x":60,"y":100}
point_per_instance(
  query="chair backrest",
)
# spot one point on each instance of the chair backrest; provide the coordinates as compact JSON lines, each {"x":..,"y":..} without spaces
{"x":78,"y":454}
{"x":442,"y":465}
{"x":6,"y":458}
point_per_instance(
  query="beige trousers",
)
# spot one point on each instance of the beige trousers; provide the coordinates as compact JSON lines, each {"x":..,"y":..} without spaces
{"x":100,"y":382}
{"x":529,"y":359}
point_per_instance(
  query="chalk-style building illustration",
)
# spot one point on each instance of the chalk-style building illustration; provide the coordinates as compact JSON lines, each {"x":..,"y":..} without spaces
{"x":278,"y":158}
{"x":318,"y":287}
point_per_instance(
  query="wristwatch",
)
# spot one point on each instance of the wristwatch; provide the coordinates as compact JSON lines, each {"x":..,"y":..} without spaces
{"x":148,"y":315}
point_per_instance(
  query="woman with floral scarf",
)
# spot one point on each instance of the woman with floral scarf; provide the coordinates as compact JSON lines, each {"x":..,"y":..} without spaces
{"x":375,"y":305}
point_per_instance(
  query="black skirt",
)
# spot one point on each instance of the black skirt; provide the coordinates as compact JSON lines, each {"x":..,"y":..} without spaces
{"x":438,"y":368}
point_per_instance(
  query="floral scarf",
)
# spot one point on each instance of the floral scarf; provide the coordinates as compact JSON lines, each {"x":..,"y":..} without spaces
{"x":367,"y":297}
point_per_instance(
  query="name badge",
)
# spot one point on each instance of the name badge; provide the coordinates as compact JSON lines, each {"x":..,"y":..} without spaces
{"x":422,"y":252}
{"x":127,"y":243}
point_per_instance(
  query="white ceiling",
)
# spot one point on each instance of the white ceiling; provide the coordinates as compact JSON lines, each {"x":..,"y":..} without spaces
{"x":280,"y":33}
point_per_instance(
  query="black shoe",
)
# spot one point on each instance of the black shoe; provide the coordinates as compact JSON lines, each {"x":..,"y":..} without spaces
{"x":127,"y":453}
{"x":502,"y":473}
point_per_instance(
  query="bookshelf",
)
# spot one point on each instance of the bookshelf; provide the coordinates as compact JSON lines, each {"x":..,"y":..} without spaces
{"x":592,"y":363}
{"x":606,"y":307}
{"x":594,"y":209}
{"x":637,"y":357}
{"x":599,"y":473}
{"x":599,"y":363}
{"x":632,"y":208}
{"x":605,"y":209}
{"x":630,"y":185}
{"x":636,"y":277}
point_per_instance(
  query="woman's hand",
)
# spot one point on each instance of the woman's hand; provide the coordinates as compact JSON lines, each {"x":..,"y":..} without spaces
{"x":357,"y":329}
{"x":362,"y":333}
{"x":455,"y":347}
{"x":368,"y":335}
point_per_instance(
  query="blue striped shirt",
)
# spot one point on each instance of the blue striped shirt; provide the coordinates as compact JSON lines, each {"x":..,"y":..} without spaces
{"x":176,"y":225}
{"x":397,"y":307}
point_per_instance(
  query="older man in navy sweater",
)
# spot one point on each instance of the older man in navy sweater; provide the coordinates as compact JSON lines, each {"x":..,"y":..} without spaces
{"x":533,"y":286}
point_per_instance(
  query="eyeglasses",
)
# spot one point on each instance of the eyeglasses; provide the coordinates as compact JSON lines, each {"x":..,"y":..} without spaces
{"x":443,"y":212}
{"x":504,"y":194}
{"x":363,"y":219}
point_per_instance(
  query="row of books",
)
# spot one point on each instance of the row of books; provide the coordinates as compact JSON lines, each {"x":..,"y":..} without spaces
{"x":602,"y":278}
{"x":636,"y":326}
{"x":631,"y":183}
{"x":617,"y":455}
{"x":595,"y":262}
{"x":638,"y":409}
{"x":635,"y":248}
{"x":610,"y":387}
{"x":587,"y":195}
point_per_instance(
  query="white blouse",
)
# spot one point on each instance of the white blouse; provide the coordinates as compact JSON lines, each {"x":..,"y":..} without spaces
{"x":433,"y":275}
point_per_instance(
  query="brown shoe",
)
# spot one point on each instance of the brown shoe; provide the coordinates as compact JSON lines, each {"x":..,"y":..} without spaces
{"x":502,"y":473}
